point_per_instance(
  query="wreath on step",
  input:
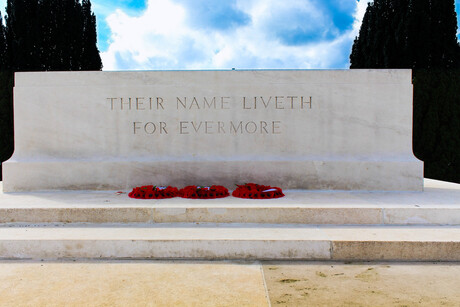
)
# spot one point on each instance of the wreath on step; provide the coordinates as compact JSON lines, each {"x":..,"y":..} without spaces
{"x":153,"y":192}
{"x":197,"y":192}
{"x":248,"y":190}
{"x":256,"y":191}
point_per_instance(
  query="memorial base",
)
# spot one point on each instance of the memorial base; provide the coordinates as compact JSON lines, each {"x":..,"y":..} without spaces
{"x":325,"y":225}
{"x":394,"y":175}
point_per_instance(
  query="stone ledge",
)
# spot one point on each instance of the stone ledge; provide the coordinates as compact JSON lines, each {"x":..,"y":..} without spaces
{"x":337,"y":174}
{"x":439,"y":204}
{"x":232,"y":241}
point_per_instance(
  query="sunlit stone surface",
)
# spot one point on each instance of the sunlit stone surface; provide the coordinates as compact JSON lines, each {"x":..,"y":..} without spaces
{"x":298,"y":129}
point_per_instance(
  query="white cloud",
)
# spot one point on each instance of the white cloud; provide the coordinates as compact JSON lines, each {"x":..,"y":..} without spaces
{"x":359,"y":14}
{"x":162,"y":38}
{"x":2,"y":9}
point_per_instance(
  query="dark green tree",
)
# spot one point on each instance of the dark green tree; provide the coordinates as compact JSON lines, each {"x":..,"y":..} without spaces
{"x":2,"y":45}
{"x":420,"y":34}
{"x":437,"y":122}
{"x":6,"y":107}
{"x":22,"y":35}
{"x":61,"y":35}
{"x":6,"y":116}
{"x":445,"y":50}
{"x":51,"y":35}
{"x":90,"y":58}
{"x":42,"y":35}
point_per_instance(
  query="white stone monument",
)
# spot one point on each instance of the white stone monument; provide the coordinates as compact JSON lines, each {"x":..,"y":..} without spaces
{"x":297,"y":129}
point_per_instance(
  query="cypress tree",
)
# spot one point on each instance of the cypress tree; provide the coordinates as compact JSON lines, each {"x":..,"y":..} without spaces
{"x":6,"y":116}
{"x":22,"y":35}
{"x":42,"y":35}
{"x":360,"y":55}
{"x":51,"y":35}
{"x":6,"y":105}
{"x":2,"y":45}
{"x":420,"y":34}
{"x":91,"y":59}
{"x":445,"y":48}
{"x":437,"y":122}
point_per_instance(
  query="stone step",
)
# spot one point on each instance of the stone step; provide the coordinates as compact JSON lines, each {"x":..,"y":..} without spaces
{"x":439,"y":204}
{"x":328,"y":215}
{"x":231,"y":241}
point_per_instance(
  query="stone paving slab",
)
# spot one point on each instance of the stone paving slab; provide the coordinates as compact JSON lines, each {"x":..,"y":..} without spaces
{"x":228,"y":283}
{"x":362,"y":284}
{"x":140,"y":283}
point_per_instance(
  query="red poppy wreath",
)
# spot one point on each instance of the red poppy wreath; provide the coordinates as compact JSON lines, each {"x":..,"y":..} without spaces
{"x":196,"y":192}
{"x":256,"y":191}
{"x":153,"y":192}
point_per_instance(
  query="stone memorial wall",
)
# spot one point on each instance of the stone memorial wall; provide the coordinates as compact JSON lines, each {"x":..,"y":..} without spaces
{"x":297,"y":129}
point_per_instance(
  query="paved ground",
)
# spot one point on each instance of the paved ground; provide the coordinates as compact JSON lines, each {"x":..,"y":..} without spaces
{"x":363,"y":284}
{"x":131,"y":283}
{"x":200,"y":283}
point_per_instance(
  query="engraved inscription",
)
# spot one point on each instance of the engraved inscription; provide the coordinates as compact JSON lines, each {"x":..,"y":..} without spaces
{"x":198,"y":103}
{"x":136,"y":103}
{"x":275,"y":102}
{"x":192,"y":104}
{"x":232,"y":127}
{"x":150,"y":127}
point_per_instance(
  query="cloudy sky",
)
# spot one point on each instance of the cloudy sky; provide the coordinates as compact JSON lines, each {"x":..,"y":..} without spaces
{"x":222,"y":34}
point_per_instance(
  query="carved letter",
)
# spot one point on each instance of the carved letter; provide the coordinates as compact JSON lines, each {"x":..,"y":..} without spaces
{"x":163,"y":128}
{"x":251,"y":131}
{"x":153,"y":126}
{"x":128,"y":103}
{"x":194,"y":102}
{"x":139,"y":103}
{"x":276,"y":127}
{"x":276,"y":102}
{"x":160,"y":103}
{"x":223,"y":104}
{"x":292,"y":100}
{"x":135,"y":127}
{"x":263,"y":127}
{"x":209,"y":105}
{"x":232,"y":127}
{"x":195,"y":127}
{"x":244,"y":104}
{"x":268,"y":102}
{"x":309,"y":102}
{"x":220,"y":126}
{"x":207,"y":126}
{"x":111,"y":102}
{"x":184,"y":104}
{"x":183,"y":126}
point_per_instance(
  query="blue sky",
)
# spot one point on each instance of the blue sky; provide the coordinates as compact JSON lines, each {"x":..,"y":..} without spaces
{"x":222,"y":34}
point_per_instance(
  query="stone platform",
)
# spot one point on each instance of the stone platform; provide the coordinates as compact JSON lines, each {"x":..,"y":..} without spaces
{"x":313,"y":225}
